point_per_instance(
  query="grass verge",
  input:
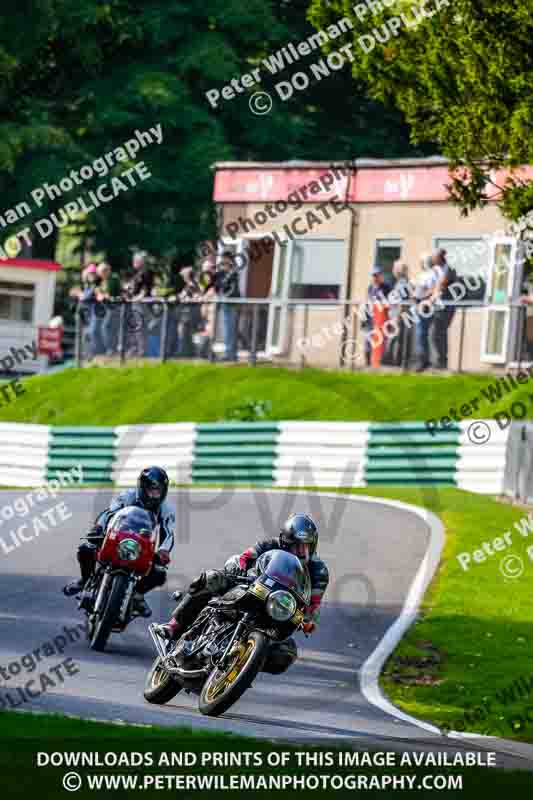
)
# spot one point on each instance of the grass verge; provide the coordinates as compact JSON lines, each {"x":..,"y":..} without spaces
{"x":467,"y":663}
{"x":29,"y":742}
{"x":206,"y":393}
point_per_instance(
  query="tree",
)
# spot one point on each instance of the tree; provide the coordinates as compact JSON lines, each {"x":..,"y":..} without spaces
{"x":79,"y":77}
{"x":461,"y":75}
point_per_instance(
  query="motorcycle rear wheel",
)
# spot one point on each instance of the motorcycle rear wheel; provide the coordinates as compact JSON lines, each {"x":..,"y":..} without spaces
{"x":107,"y":620}
{"x":224,"y":687}
{"x":160,"y":687}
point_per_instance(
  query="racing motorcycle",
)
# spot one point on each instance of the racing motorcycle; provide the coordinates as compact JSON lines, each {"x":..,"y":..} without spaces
{"x":126,"y":555}
{"x":220,"y":654}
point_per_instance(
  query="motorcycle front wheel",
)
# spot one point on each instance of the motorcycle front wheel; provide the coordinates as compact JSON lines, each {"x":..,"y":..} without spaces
{"x":160,"y":687}
{"x":106,"y":621}
{"x":224,"y":687}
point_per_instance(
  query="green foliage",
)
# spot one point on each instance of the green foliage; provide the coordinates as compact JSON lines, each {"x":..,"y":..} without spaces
{"x":78,"y":77}
{"x":462,"y":78}
{"x":250,"y":410}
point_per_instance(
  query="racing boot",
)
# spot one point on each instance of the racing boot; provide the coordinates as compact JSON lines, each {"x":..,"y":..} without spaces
{"x":73,"y":588}
{"x":184,"y":615}
{"x":86,"y":560}
{"x":140,"y":606}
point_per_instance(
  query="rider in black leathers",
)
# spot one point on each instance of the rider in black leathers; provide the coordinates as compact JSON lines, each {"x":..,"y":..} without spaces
{"x":299,"y":535}
{"x":151,"y":492}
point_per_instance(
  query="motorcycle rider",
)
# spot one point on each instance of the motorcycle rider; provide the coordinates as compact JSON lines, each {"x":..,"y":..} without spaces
{"x":299,"y":535}
{"x":150,"y":494}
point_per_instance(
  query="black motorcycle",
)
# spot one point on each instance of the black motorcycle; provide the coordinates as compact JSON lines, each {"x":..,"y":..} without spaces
{"x":220,"y":654}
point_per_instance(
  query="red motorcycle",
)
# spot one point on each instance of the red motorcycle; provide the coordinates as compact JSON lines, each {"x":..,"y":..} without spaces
{"x":126,"y":555}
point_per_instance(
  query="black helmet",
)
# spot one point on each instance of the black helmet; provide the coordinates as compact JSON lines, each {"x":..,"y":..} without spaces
{"x":152,"y":486}
{"x":299,"y":529}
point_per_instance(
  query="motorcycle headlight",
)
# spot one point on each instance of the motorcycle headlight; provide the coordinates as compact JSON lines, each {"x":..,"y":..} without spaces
{"x":129,"y":550}
{"x":281,"y":606}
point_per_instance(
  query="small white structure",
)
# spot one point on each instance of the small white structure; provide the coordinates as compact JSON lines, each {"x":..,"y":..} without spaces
{"x":27,"y":290}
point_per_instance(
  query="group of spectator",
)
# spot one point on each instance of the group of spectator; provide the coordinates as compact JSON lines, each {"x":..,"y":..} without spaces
{"x":190,"y":321}
{"x":431,"y":299}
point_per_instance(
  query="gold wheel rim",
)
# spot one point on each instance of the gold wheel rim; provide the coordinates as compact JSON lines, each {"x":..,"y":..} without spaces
{"x":222,"y":682}
{"x":158,"y":676}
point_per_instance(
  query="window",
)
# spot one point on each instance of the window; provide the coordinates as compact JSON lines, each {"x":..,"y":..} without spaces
{"x":16,"y":301}
{"x":387,"y":252}
{"x":468,"y":256}
{"x":318,"y":267}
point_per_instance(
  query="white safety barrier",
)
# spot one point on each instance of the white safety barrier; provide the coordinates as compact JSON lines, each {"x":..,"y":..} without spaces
{"x":23,"y":454}
{"x":170,"y":446}
{"x":481,"y":457}
{"x":321,"y":454}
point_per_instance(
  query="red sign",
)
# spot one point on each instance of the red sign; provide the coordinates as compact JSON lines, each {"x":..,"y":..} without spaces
{"x":390,"y":184}
{"x":49,"y":341}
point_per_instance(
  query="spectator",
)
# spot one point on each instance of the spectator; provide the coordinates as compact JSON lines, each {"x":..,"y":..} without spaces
{"x":402,"y":294}
{"x":90,"y":301}
{"x":207,"y":332}
{"x":443,"y":314}
{"x":140,"y":286}
{"x":109,"y":290}
{"x":424,"y":309}
{"x":171,"y":292}
{"x":227,"y":287}
{"x":378,"y":291}
{"x":190,"y":314}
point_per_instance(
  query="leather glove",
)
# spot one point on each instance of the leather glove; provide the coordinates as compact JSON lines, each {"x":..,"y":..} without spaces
{"x":96,"y":532}
{"x":163,"y":557}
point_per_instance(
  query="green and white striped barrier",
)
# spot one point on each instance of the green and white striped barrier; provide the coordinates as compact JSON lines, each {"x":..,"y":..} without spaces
{"x":332,"y":454}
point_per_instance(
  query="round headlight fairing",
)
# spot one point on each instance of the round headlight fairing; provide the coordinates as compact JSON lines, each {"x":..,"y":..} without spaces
{"x":129,"y":550}
{"x":281,"y":606}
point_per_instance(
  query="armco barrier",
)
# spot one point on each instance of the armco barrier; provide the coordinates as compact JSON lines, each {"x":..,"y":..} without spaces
{"x":93,"y":448}
{"x":321,"y":454}
{"x":23,"y":454}
{"x":469,"y":455}
{"x":242,"y":452}
{"x":168,"y":445}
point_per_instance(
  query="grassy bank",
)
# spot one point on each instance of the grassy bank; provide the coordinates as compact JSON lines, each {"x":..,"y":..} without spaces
{"x":472,"y":647}
{"x":23,"y":736}
{"x":207,"y":393}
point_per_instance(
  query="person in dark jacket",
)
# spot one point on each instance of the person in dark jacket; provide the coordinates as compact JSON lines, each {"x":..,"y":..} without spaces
{"x":227,"y":286}
{"x":151,"y":492}
{"x":299,"y":535}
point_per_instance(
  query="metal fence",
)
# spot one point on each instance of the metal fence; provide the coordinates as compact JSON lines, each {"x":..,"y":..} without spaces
{"x":211,"y":328}
{"x":518,"y":481}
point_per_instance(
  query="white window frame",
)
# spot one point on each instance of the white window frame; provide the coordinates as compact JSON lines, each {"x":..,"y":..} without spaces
{"x":513,"y":281}
{"x":458,"y":237}
{"x":30,"y":292}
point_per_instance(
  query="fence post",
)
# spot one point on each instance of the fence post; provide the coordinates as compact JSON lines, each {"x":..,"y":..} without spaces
{"x":306,"y":328}
{"x":461,"y":339}
{"x":212,"y":355}
{"x":522,"y":322}
{"x":121,"y":333}
{"x":163,"y":342}
{"x":77,"y":339}
{"x":252,"y":360}
{"x":406,"y":340}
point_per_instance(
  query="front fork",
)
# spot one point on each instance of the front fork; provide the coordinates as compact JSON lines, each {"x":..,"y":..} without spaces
{"x":236,"y":634}
{"x":103,"y":592}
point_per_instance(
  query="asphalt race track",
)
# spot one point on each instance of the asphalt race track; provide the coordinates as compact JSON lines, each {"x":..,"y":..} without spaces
{"x":373,"y":552}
